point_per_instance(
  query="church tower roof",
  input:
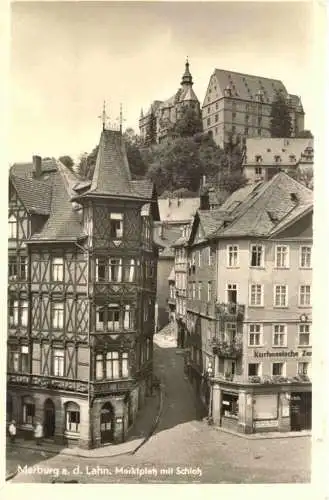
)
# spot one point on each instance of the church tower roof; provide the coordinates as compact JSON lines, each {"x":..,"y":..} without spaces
{"x":187,"y":77}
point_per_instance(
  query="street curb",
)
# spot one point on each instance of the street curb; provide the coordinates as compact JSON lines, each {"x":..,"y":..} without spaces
{"x":11,"y":475}
{"x":156,"y":421}
{"x":252,"y":437}
{"x":128,"y":452}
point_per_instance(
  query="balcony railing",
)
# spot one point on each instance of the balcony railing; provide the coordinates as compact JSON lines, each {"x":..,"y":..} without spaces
{"x":226,"y":348}
{"x":230,"y":309}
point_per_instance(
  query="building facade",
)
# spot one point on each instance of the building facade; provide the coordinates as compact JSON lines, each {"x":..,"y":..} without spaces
{"x":249,"y":336}
{"x":81,"y":297}
{"x":265,"y":157}
{"x":239,"y":105}
{"x":166,"y":113}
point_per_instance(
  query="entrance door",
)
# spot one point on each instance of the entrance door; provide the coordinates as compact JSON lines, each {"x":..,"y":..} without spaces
{"x":301,"y":411}
{"x":49,"y":419}
{"x":106,"y":423}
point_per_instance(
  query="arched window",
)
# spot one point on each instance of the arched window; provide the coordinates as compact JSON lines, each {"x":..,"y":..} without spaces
{"x":12,"y":227}
{"x":28,"y":410}
{"x":72,"y":417}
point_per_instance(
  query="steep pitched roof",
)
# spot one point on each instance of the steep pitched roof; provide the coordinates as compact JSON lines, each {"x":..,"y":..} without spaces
{"x":170,"y":233}
{"x":246,"y":86}
{"x":266,"y":207}
{"x":64,"y":222}
{"x":112,"y":175}
{"x":35,"y":195}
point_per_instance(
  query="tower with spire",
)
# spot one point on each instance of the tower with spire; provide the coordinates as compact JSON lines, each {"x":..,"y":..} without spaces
{"x":167,"y":113}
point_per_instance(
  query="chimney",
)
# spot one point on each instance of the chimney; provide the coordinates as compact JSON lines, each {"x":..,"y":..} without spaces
{"x":204,"y":198}
{"x":37,"y":167}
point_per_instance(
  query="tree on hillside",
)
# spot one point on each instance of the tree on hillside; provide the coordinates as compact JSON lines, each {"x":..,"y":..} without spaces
{"x":305,"y":134}
{"x":280,"y":119}
{"x":151,"y":130}
{"x":67,"y":161}
{"x":86,"y":165}
{"x":189,"y":123}
{"x":182,"y":163}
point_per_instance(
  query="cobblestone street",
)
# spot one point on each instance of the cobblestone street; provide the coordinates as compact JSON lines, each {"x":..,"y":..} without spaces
{"x":185,"y":449}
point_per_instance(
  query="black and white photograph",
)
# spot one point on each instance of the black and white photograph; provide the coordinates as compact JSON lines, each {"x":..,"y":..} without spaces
{"x":160,"y":291}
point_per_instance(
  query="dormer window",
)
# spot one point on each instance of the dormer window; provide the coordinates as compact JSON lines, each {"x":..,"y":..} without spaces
{"x":258,"y":158}
{"x":292,"y":158}
{"x":277,"y":158}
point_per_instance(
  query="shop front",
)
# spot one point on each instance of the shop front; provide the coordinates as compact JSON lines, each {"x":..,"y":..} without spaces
{"x":250,"y":409}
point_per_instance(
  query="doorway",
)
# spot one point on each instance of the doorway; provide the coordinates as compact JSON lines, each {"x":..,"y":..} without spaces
{"x":301,"y":411}
{"x":106,"y":423}
{"x":49,"y":419}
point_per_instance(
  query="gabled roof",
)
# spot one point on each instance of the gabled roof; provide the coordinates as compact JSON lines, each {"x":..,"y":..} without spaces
{"x":170,"y":233}
{"x":209,"y":220}
{"x":35,"y":195}
{"x":49,"y":195}
{"x":266,"y":207}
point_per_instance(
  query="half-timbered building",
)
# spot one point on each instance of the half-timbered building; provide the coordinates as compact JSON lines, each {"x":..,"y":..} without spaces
{"x":81,"y":297}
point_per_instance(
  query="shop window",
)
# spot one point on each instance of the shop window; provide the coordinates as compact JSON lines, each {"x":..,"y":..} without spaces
{"x":266,"y":407}
{"x":230,"y":406}
{"x":28,"y":411}
{"x":72,"y":417}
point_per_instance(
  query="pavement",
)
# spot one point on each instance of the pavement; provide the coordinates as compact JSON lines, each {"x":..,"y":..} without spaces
{"x":182,"y":448}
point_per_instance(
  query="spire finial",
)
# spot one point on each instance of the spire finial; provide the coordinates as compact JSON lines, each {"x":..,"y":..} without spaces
{"x":187,"y":77}
{"x":104,"y":116}
{"x":121,"y":119}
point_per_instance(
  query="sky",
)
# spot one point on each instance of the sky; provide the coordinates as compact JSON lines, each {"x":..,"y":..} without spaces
{"x":68,"y":57}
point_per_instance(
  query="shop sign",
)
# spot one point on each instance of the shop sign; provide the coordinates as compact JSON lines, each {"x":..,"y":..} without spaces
{"x":282,"y":354}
